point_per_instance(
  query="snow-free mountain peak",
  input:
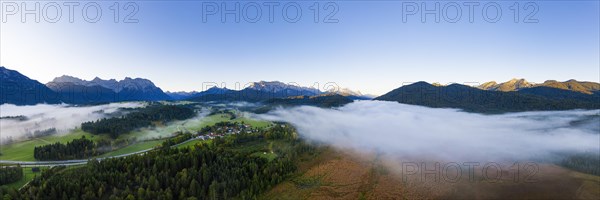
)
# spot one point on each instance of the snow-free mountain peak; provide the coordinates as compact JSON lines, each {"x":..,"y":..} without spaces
{"x":124,"y":90}
{"x":518,"y":84}
{"x":278,"y":87}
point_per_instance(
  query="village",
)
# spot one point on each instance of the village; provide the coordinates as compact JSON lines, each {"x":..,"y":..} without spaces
{"x":224,"y":128}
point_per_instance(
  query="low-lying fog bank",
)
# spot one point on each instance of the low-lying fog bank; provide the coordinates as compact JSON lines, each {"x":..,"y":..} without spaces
{"x":170,"y":128}
{"x":19,"y":121}
{"x":401,"y":130}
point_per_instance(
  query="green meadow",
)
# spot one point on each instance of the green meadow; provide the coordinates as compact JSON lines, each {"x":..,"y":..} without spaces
{"x":23,"y":151}
{"x":140,"y":146}
{"x":193,"y":143}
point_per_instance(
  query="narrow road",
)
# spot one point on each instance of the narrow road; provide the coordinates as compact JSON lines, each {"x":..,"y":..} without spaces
{"x":83,"y":161}
{"x":66,"y":162}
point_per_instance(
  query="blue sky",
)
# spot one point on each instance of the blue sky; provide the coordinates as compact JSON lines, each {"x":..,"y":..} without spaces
{"x":369,"y":49}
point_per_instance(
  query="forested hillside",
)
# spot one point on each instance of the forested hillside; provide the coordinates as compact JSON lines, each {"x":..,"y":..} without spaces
{"x":476,"y":100}
{"x":224,"y":169}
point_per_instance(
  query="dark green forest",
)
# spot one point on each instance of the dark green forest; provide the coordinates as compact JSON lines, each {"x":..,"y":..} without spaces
{"x":177,"y":139}
{"x":10,"y":174}
{"x":137,"y":119}
{"x":483,"y":101}
{"x":223,"y":169}
{"x":76,"y":149}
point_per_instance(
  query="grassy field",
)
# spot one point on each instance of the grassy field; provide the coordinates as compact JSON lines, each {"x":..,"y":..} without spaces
{"x":134,"y":148}
{"x":332,"y":174}
{"x":24,"y":150}
{"x":252,"y":147}
{"x":28,"y":175}
{"x":193,"y":143}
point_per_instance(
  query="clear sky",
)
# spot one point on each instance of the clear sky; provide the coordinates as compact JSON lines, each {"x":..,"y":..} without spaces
{"x":181,"y":44}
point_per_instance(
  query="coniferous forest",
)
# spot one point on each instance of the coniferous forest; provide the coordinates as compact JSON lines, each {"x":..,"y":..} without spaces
{"x":220,"y":169}
{"x":76,"y":149}
{"x":10,"y":174}
{"x":139,"y":118}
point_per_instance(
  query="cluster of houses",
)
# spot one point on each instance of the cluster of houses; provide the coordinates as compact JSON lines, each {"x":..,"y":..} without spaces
{"x":228,"y":129}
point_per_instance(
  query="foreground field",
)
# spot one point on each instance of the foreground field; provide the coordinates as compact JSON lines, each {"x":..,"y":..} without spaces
{"x":333,"y":174}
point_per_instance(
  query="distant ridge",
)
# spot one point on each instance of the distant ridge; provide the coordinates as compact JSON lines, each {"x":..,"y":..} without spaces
{"x":354,"y":95}
{"x":275,"y":93}
{"x":511,"y":96}
{"x":265,"y":90}
{"x":283,"y":88}
{"x":194,"y":94}
{"x":518,"y":84}
{"x":76,"y":90}
{"x":511,"y":85}
{"x":256,"y":92}
{"x":489,"y":101}
{"x":18,"y":89}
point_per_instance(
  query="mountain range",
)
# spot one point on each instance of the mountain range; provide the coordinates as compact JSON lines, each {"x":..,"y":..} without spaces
{"x":182,"y":95}
{"x":513,"y":95}
{"x":518,"y":84}
{"x":19,"y":89}
{"x":75,"y":90}
{"x":524,"y":97}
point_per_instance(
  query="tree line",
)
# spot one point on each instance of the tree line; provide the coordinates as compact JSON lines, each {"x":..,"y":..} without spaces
{"x":76,"y":149}
{"x":10,"y":174}
{"x":583,"y":162}
{"x":137,"y":119}
{"x":41,"y":133}
{"x":182,"y":137}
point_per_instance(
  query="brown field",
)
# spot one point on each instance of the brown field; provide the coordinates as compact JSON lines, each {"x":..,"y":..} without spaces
{"x":334,"y":174}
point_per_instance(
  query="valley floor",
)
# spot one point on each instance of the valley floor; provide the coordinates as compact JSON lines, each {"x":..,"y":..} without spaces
{"x":147,"y":138}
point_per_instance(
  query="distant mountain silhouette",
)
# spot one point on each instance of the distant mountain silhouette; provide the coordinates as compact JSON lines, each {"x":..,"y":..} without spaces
{"x":256,"y":92}
{"x":511,"y":96}
{"x":75,"y":90}
{"x":477,"y":100}
{"x":351,"y":94}
{"x":274,"y":93}
{"x":511,"y":85}
{"x":79,"y":94}
{"x":248,"y":94}
{"x":181,"y":95}
{"x":18,"y":89}
{"x":283,"y":89}
{"x":188,"y":95}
